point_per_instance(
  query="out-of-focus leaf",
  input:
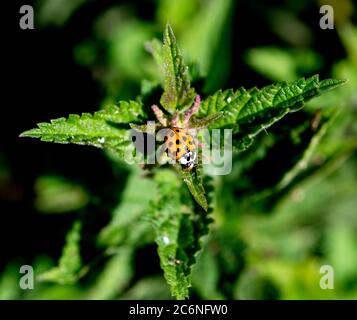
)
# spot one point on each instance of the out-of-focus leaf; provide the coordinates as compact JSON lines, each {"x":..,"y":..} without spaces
{"x":205,"y":276}
{"x":343,"y":69}
{"x":289,"y":27}
{"x":129,"y":213}
{"x":179,"y":13}
{"x":9,"y":282}
{"x":55,"y":194}
{"x":53,"y":291}
{"x":127,"y":53}
{"x":67,"y":271}
{"x":56,"y":13}
{"x":341,"y":248}
{"x":306,"y":158}
{"x":154,"y":47}
{"x":279,"y":64}
{"x":206,"y":29}
{"x":297,"y":280}
{"x":348,"y":35}
{"x":115,"y":277}
{"x":149,"y":288}
{"x":56,"y":292}
{"x":304,"y":166}
{"x":253,"y":286}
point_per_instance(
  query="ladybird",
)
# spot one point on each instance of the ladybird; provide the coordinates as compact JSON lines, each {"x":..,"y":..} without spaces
{"x":180,"y":146}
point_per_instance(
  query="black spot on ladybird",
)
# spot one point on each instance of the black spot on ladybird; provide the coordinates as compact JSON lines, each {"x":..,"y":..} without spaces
{"x":177,"y":141}
{"x":178,"y":150}
{"x":165,"y":138}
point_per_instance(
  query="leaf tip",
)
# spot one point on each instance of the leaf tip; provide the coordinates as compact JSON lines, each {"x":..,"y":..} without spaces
{"x":33,"y":133}
{"x":204,"y":205}
{"x":169,"y":36}
{"x":329,"y":84}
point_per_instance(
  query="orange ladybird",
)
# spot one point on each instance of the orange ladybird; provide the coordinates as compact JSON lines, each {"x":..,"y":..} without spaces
{"x":180,"y":146}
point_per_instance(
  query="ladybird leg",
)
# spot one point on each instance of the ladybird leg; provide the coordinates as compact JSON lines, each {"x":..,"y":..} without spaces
{"x":159,"y":115}
{"x":194,"y":109}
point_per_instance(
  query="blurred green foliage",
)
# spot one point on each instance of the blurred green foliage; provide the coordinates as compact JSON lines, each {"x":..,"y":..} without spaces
{"x":287,"y":208}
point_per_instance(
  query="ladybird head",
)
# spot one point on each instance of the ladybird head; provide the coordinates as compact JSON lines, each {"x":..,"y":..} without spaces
{"x":188,"y":159}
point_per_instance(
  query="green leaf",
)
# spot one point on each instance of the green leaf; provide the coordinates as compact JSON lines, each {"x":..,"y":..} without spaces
{"x":9,"y":282}
{"x":281,"y":64}
{"x":148,"y":288}
{"x":155,"y":48}
{"x":205,"y":276}
{"x":54,"y":194}
{"x":194,"y":182}
{"x":248,"y":112}
{"x":177,"y":91}
{"x":306,"y":158}
{"x":115,"y":277}
{"x":128,"y":215}
{"x":105,"y":129}
{"x":126,"y":112}
{"x":207,"y":39}
{"x":179,"y":225}
{"x":204,"y":32}
{"x":206,"y":121}
{"x":341,"y":246}
{"x":67,"y":271}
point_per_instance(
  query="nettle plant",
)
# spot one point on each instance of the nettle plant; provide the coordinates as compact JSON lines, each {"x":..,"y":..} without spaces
{"x":180,"y":216}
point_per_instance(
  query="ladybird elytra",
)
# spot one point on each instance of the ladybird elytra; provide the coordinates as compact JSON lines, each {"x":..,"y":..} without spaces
{"x":180,"y":146}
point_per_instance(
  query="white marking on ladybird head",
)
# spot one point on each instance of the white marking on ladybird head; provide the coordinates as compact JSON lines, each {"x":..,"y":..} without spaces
{"x":188,"y":159}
